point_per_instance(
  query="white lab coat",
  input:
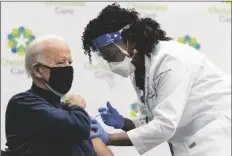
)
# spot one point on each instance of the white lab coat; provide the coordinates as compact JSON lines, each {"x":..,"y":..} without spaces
{"x":189,"y":100}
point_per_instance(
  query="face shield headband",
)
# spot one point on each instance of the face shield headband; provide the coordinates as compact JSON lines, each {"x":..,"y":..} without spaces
{"x":108,"y":38}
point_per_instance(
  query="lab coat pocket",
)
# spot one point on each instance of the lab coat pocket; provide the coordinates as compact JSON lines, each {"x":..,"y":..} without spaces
{"x":211,"y":140}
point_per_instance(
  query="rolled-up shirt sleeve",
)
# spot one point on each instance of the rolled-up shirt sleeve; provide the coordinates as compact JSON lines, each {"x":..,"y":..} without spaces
{"x":173,"y":90}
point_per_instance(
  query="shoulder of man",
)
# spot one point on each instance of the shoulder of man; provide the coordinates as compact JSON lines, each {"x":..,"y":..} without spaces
{"x":24,"y":98}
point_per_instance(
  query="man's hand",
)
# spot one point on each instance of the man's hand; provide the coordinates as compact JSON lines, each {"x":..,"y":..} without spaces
{"x":74,"y":99}
{"x":111,"y":117}
{"x":99,"y":131}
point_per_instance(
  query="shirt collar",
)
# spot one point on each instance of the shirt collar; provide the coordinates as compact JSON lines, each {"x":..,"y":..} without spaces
{"x":45,"y":94}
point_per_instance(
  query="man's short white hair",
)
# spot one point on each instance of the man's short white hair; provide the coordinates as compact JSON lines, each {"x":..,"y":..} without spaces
{"x":36,"y":49}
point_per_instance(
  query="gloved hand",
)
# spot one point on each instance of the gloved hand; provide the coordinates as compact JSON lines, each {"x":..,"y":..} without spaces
{"x":99,"y":131}
{"x":111,"y":117}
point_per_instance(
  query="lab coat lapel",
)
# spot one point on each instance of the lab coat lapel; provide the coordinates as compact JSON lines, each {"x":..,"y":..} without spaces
{"x":148,"y":63}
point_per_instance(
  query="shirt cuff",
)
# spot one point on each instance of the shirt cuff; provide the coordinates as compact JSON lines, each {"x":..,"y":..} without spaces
{"x":136,"y":141}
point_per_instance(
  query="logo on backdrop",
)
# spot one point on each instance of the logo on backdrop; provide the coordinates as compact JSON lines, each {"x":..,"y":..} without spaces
{"x":149,"y":9}
{"x":192,"y":41}
{"x":17,"y":41}
{"x":222,"y":10}
{"x":65,"y":8}
{"x":134,"y":110}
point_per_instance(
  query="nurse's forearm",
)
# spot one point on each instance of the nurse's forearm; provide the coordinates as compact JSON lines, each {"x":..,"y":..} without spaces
{"x":119,"y":139}
{"x":128,"y":125}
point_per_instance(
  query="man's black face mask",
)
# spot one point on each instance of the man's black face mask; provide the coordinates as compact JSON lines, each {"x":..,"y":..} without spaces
{"x":61,"y":78}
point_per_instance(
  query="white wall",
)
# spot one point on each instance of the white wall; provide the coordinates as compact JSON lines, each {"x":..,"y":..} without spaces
{"x":209,"y":22}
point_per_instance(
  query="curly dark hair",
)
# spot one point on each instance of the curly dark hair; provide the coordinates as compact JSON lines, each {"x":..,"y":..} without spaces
{"x":111,"y":19}
{"x":144,"y":32}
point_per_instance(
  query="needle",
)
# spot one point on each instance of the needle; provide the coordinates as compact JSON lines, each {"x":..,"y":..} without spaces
{"x":97,"y":115}
{"x":100,"y":114}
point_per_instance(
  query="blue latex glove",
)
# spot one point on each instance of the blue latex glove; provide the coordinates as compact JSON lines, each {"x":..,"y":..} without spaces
{"x":111,"y":117}
{"x":99,"y":131}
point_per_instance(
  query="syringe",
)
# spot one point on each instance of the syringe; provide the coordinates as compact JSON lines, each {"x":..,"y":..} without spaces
{"x":100,"y":114}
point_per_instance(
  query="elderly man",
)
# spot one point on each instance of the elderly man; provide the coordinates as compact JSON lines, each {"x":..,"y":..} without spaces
{"x":37,"y":124}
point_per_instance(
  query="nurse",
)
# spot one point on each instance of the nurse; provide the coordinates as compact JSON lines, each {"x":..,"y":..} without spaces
{"x":185,"y":99}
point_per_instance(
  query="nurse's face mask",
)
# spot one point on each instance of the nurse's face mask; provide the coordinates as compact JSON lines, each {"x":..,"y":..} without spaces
{"x":60,"y":79}
{"x":111,"y":48}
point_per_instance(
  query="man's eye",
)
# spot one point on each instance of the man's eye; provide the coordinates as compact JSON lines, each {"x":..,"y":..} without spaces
{"x":60,"y":63}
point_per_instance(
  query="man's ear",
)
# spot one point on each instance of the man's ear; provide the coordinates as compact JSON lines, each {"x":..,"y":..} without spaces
{"x":36,"y":71}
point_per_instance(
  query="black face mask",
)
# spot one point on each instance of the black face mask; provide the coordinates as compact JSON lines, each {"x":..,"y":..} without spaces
{"x":61,"y":78}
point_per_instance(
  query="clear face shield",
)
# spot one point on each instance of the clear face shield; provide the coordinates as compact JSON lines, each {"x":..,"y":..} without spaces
{"x":114,"y":52}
